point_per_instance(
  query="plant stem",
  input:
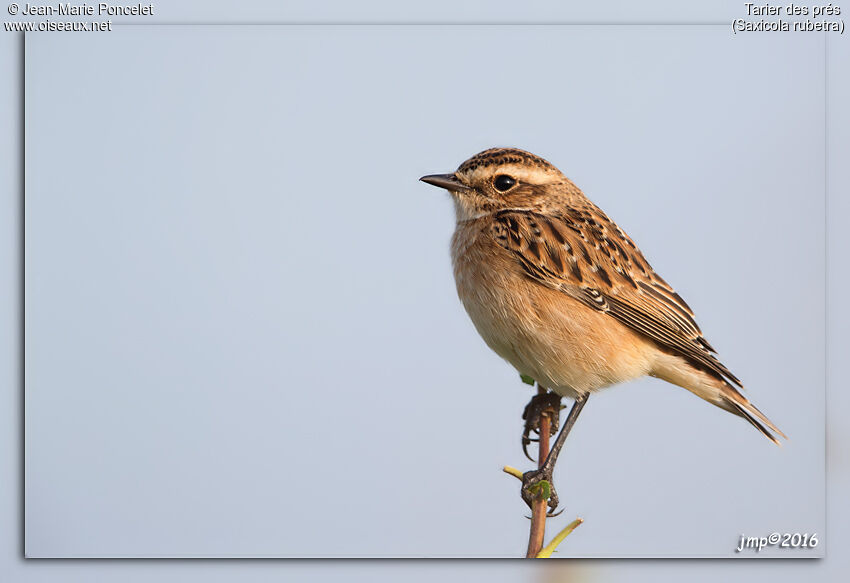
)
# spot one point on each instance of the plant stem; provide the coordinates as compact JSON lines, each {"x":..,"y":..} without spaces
{"x":537,"y":531}
{"x":559,"y":538}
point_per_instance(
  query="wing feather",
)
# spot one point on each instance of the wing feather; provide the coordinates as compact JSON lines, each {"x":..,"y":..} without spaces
{"x":585,"y":255}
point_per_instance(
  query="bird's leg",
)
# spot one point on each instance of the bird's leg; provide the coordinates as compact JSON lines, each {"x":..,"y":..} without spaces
{"x":531,"y":478}
{"x":543,"y":403}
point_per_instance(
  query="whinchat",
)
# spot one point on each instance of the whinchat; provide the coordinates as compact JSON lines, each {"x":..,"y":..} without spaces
{"x":563,"y":294}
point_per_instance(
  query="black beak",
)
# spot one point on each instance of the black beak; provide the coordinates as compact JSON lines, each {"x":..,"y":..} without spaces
{"x":447,"y":181}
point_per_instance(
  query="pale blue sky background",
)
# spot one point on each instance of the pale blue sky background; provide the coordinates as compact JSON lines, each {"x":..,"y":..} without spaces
{"x":242,"y":332}
{"x":216,"y":470}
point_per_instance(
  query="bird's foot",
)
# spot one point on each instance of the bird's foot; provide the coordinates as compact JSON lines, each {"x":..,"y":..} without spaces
{"x":547,"y":403}
{"x":536,"y":485}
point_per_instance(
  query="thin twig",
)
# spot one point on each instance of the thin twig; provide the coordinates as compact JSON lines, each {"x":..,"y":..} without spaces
{"x":513,"y":471}
{"x":559,"y":538}
{"x":537,"y":531}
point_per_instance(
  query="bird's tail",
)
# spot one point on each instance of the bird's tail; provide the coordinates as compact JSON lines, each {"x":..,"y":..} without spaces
{"x":730,"y":399}
{"x":716,"y":391}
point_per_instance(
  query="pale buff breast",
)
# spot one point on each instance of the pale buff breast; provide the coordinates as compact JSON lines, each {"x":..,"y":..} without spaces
{"x":542,"y":332}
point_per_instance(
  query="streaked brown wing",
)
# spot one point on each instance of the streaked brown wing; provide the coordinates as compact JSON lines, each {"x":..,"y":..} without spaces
{"x":584,"y":254}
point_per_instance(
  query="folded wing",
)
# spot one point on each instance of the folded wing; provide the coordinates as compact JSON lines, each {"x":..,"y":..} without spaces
{"x":585,"y":255}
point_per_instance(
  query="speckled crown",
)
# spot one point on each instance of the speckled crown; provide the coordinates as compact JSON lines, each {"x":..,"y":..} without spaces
{"x":499,"y":156}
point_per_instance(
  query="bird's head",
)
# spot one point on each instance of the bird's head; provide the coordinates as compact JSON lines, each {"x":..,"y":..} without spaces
{"x":503,"y":178}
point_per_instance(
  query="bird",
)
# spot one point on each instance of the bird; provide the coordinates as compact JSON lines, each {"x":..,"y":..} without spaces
{"x":563,"y":294}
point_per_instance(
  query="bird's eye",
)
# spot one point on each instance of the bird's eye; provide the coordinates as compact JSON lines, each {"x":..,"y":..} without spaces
{"x":503,"y":182}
